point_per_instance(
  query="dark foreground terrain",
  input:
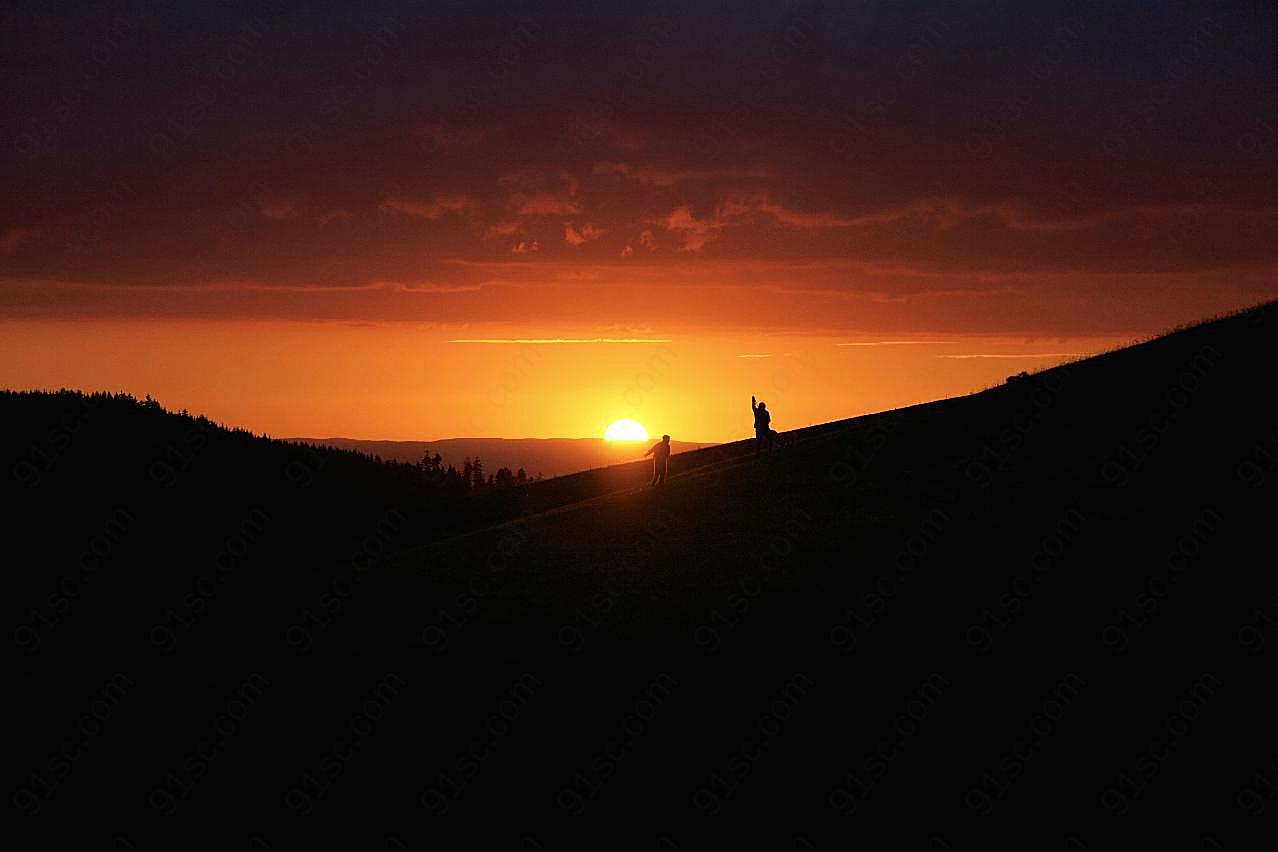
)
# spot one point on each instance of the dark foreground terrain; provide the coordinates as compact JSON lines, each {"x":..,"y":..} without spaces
{"x":1046,"y":613}
{"x":545,"y":456}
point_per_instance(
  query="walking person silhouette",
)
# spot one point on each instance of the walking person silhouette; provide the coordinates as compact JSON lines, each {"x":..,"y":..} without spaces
{"x":660,"y":453}
{"x":762,"y":425}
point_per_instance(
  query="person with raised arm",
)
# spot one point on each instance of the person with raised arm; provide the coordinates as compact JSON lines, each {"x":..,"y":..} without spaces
{"x":762,"y":425}
{"x":660,"y":453}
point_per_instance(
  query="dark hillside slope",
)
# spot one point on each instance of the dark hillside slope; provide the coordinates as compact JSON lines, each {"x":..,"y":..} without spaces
{"x":1043,"y":611}
{"x":547,"y":456}
{"x":1092,"y":544}
{"x":142,"y":538}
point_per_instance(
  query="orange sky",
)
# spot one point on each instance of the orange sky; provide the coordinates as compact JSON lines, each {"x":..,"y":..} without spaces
{"x":400,"y":381}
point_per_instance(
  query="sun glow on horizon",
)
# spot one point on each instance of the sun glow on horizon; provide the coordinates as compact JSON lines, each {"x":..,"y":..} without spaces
{"x":626,"y":429}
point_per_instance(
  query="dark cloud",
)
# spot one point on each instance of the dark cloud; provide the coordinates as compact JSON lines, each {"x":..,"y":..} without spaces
{"x":342,"y":145}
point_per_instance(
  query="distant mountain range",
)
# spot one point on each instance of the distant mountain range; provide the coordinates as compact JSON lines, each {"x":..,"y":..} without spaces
{"x":547,"y":456}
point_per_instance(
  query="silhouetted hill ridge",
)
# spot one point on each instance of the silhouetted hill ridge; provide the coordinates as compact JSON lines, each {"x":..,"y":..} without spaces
{"x":547,"y":456}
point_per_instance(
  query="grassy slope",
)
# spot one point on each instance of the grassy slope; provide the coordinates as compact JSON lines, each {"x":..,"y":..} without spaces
{"x":990,"y":540}
{"x":969,"y":555}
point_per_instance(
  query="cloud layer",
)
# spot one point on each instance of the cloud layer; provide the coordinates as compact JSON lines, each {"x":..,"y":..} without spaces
{"x":1075,"y":165}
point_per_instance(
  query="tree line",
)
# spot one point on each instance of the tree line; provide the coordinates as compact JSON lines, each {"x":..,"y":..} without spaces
{"x":471,"y":478}
{"x":78,"y":437}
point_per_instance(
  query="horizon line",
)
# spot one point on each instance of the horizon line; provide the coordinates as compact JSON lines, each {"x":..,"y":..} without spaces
{"x":502,"y":438}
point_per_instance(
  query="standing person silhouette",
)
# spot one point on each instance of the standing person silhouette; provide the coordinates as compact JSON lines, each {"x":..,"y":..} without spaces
{"x":660,"y":453}
{"x":762,"y":425}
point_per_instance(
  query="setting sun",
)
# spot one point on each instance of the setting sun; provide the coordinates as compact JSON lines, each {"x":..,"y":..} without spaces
{"x":626,"y":430}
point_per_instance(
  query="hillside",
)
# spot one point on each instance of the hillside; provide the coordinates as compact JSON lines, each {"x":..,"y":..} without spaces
{"x":1050,"y":604}
{"x":547,"y":456}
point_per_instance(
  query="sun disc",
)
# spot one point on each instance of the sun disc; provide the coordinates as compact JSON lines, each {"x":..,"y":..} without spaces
{"x":626,"y":430}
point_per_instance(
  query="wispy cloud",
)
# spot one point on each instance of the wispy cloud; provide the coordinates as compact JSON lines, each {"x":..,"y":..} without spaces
{"x":502,"y":229}
{"x":943,"y":214}
{"x":661,"y":176}
{"x":1019,"y":355}
{"x":696,"y":233}
{"x":558,"y":340}
{"x":543,"y":205}
{"x":432,"y":209}
{"x":227,"y":286}
{"x":889,"y":342}
{"x":936,"y":214}
{"x":575,"y":237}
{"x":753,"y":355}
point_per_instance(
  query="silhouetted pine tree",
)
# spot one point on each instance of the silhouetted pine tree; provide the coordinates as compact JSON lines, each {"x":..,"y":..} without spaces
{"x":431,"y":464}
{"x":454,"y":484}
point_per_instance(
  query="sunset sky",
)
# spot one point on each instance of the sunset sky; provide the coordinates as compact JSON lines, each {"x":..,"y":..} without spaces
{"x":405,"y":220}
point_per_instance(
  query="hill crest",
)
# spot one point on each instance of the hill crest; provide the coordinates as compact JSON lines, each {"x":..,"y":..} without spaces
{"x":547,"y":456}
